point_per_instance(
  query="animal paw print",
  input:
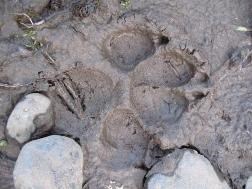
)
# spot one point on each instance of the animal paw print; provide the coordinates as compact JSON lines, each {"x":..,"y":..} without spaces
{"x":124,"y":139}
{"x":85,"y":91}
{"x":161,"y":82}
{"x":126,"y":49}
{"x":163,"y":86}
{"x":65,"y":90}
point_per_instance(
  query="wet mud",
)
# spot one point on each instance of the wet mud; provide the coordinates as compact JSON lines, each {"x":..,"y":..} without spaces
{"x":131,"y":84}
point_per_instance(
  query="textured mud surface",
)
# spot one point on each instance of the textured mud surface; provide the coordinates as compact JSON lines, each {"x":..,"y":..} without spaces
{"x":131,"y":84}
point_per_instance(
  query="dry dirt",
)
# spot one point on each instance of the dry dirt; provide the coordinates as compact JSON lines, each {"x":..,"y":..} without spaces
{"x":131,"y":84}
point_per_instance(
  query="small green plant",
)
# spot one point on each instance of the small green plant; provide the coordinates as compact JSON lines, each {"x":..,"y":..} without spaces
{"x":31,"y":41}
{"x":3,"y":143}
{"x":26,"y":22}
{"x":125,"y":3}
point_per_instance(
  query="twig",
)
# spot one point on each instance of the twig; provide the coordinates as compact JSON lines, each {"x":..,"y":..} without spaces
{"x":246,"y":59}
{"x":243,"y":29}
{"x":34,"y":24}
{"x":26,"y":15}
{"x":29,"y":18}
{"x":7,"y":86}
{"x":49,"y":57}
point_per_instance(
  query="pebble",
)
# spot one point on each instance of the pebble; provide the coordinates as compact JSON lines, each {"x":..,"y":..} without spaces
{"x":33,"y":112}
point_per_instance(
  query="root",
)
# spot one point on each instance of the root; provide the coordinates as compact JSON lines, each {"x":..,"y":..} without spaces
{"x":32,"y":24}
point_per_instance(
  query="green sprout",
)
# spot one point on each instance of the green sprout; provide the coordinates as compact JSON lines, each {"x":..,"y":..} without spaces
{"x":32,"y":42}
{"x":3,"y":143}
{"x":125,"y":4}
{"x":27,"y":23}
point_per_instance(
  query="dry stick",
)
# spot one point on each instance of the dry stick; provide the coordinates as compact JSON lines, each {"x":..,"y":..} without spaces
{"x":244,"y":63}
{"x":26,"y":15}
{"x":35,"y":24}
{"x":14,"y":86}
{"x":243,"y":29}
{"x":45,"y":53}
{"x":50,"y":60}
{"x":29,"y":18}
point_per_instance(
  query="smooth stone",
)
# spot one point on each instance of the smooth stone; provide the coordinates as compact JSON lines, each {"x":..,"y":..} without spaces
{"x":249,"y":183}
{"x":32,"y":113}
{"x":53,"y":162}
{"x":192,"y":172}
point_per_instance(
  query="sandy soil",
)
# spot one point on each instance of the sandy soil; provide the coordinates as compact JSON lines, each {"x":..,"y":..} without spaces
{"x":132,"y":83}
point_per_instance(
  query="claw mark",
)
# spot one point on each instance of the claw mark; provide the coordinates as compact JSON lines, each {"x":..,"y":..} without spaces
{"x":69,"y":87}
{"x":173,"y":69}
{"x":66,"y":91}
{"x":168,"y":105}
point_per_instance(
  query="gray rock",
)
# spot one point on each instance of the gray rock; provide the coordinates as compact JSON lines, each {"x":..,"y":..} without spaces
{"x":193,"y":171}
{"x":33,"y":113}
{"x":54,"y":162}
{"x":35,"y":5}
{"x":249,"y":183}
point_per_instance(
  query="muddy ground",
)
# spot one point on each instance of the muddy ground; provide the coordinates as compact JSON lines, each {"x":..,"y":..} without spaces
{"x":150,"y":77}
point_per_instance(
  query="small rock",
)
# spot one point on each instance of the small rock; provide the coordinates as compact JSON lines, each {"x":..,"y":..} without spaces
{"x":193,"y":171}
{"x":249,"y":183}
{"x":33,"y":113}
{"x":54,"y":162}
{"x":35,"y":5}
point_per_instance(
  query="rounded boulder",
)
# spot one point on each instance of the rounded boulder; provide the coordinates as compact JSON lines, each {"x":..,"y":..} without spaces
{"x":54,"y":162}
